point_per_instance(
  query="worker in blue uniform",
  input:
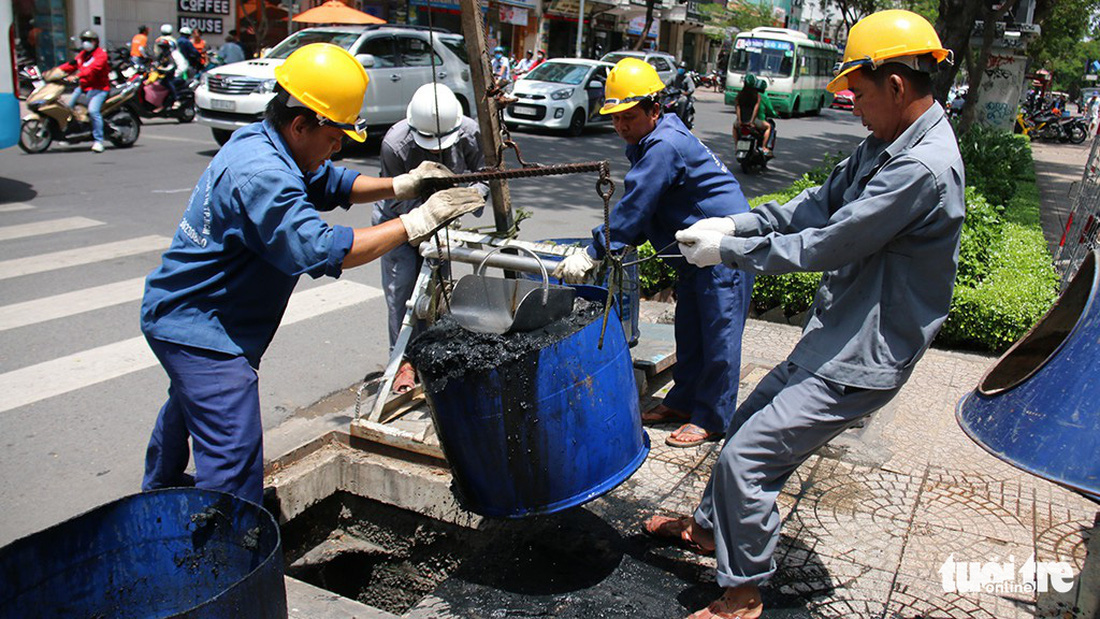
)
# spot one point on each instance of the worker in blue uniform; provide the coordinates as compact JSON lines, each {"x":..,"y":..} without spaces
{"x":675,"y":181}
{"x":884,"y":229}
{"x":250,"y":230}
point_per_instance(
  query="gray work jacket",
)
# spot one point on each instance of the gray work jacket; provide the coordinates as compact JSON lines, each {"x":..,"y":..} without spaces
{"x":885,"y":230}
{"x":400,"y":154}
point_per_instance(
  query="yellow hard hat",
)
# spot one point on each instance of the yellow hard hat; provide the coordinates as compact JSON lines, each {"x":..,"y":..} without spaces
{"x":330,"y":81}
{"x":628,"y":82}
{"x":885,"y":35}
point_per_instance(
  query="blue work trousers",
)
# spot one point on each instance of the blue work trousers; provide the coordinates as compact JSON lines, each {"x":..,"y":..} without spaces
{"x":711,"y":307}
{"x":788,"y":417}
{"x":214,"y":400}
{"x":95,"y":104}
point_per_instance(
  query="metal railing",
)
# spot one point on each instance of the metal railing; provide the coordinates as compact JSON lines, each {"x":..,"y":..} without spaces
{"x":1082,"y":227}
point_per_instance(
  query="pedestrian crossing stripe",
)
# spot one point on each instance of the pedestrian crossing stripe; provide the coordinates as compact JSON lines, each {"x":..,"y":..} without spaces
{"x":51,"y":226}
{"x":11,"y":207}
{"x":90,"y":367}
{"x":68,"y":304}
{"x":42,"y":263}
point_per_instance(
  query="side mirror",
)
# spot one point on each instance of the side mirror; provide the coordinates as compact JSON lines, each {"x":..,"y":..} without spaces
{"x":367,"y":60}
{"x":595,"y":85}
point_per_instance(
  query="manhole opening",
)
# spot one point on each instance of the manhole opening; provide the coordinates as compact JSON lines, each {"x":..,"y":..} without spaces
{"x":374,"y":553}
{"x":391,"y":558}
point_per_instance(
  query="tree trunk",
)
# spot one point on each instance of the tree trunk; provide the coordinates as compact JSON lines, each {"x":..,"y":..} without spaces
{"x":977,"y":69}
{"x":954,"y":25}
{"x":648,"y":24}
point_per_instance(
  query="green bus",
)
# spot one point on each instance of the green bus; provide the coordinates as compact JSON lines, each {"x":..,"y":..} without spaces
{"x":796,"y":68}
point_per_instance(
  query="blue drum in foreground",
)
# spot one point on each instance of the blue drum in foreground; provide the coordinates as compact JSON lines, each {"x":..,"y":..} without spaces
{"x":1038,"y":408}
{"x":181,"y":552}
{"x":552,"y":430}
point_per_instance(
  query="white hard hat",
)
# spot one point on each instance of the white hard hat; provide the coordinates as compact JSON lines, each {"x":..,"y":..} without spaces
{"x":430,"y":131}
{"x":166,"y":29}
{"x":185,"y":30}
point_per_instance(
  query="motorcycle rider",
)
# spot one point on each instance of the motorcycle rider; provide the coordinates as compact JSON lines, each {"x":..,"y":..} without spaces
{"x":139,"y":47}
{"x":91,"y":69}
{"x":752,"y":108}
{"x":684,"y":83}
{"x":187,"y":48}
{"x":165,"y":65}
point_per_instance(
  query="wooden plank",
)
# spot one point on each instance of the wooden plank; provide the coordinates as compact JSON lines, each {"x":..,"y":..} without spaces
{"x":388,"y":435}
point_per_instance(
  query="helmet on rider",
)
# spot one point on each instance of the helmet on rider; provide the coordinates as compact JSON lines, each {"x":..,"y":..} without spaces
{"x":893,"y":36}
{"x":89,"y":39}
{"x":435,"y":116}
{"x":185,"y":31}
{"x":327,"y":79}
{"x":166,"y":29}
{"x":628,"y":82}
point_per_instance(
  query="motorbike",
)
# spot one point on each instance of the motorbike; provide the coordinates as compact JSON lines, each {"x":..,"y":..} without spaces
{"x":153,"y":98}
{"x":1073,"y":129}
{"x":750,"y":153}
{"x":49,"y":117}
{"x":677,"y":102}
{"x":29,"y":78}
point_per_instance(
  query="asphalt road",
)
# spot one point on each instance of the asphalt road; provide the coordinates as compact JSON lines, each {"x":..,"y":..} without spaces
{"x":79,"y":390}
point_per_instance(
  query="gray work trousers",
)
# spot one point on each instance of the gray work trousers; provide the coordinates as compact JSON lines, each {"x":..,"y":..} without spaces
{"x":789,"y":415}
{"x":400,"y":268}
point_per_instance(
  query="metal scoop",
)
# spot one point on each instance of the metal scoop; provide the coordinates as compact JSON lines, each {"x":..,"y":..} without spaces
{"x":498,"y":305}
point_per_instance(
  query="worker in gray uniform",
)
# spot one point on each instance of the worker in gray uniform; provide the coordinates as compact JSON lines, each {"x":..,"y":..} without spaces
{"x":435,"y":130}
{"x":884,"y":229}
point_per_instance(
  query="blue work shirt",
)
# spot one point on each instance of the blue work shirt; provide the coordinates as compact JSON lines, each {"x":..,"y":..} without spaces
{"x":885,"y":230}
{"x":673,"y":182}
{"x":249,"y":231}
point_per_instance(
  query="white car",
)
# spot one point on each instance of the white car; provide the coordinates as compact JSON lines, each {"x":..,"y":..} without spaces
{"x":564,"y":94}
{"x":663,"y":62}
{"x":397,"y":60}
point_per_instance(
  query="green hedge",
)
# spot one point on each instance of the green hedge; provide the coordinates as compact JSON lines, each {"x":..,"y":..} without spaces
{"x":1018,"y":289}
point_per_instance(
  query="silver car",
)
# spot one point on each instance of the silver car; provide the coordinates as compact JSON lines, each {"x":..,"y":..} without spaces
{"x":664,"y":63}
{"x":564,"y":94}
{"x":398,"y":60}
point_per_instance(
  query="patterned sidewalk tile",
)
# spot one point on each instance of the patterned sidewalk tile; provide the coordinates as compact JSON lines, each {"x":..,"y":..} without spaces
{"x":980,"y":505}
{"x":916,"y":597}
{"x":653,"y":481}
{"x":929,"y":547}
{"x":832,"y":588}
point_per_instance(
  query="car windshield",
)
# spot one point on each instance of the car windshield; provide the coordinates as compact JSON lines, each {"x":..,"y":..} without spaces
{"x":305,"y":37}
{"x":763,"y":57}
{"x":559,"y":72}
{"x":456,"y":45}
{"x":614,"y":57}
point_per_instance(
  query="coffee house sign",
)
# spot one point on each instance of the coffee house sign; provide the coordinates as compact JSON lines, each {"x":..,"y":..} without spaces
{"x":203,"y":14}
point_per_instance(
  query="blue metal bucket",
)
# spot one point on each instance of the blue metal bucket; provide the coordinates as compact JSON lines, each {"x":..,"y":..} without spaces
{"x":628,"y":297}
{"x":553,"y":430}
{"x":181,"y":552}
{"x":1038,"y":407}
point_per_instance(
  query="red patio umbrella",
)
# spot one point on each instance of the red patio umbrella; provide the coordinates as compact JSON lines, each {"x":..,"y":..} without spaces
{"x":336,"y":12}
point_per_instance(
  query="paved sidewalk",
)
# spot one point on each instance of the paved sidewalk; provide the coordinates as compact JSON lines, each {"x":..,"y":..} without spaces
{"x":1058,"y":170}
{"x":869,"y":522}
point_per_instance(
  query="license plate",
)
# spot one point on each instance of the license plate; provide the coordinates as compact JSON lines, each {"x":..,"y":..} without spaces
{"x":223,"y":104}
{"x":744,"y":145}
{"x":524,"y":110}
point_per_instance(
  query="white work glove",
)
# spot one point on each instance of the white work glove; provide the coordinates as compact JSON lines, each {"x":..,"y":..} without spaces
{"x":575,"y":268}
{"x":407,"y":186}
{"x":442,"y":207}
{"x":718,"y":224}
{"x":700,"y":247}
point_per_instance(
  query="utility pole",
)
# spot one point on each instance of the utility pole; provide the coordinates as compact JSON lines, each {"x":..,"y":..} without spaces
{"x":473,"y":30}
{"x":580,"y":30}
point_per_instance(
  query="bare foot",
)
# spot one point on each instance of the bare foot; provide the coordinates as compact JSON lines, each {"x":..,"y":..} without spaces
{"x":736,"y":603}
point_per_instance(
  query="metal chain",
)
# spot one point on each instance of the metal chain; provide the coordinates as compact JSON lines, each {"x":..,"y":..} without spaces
{"x":605,"y":188}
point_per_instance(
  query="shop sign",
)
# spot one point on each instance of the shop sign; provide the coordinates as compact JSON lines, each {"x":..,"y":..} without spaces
{"x":513,"y":15}
{"x":634,"y":27}
{"x":208,"y":25}
{"x":214,"y":7}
